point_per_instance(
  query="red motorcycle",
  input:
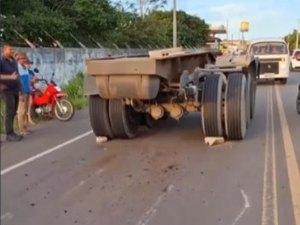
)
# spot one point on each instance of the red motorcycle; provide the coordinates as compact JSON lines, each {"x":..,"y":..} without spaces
{"x":52,"y":100}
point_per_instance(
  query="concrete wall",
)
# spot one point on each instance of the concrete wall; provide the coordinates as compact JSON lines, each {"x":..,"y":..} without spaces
{"x":66,"y":63}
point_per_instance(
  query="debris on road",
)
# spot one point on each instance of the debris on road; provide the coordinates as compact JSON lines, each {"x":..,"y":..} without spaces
{"x":101,"y":139}
{"x":214,"y":140}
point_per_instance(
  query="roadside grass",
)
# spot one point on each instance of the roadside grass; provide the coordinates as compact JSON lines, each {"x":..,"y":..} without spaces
{"x":74,"y":88}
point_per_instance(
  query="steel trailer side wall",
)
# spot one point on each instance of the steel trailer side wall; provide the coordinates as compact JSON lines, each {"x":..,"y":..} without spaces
{"x":139,"y":78}
{"x":128,"y":86}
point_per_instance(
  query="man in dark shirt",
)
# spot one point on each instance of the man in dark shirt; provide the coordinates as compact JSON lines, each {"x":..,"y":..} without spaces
{"x":11,"y":90}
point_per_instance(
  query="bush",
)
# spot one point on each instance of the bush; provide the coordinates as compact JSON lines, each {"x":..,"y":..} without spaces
{"x":74,"y":88}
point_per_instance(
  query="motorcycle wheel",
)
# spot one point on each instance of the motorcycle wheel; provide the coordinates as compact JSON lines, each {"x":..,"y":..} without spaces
{"x":64,"y":109}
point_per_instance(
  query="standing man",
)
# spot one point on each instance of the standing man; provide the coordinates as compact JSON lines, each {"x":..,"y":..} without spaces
{"x":23,"y":108}
{"x":12,"y":90}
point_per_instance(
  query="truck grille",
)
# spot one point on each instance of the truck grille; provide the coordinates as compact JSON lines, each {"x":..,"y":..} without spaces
{"x":269,"y":67}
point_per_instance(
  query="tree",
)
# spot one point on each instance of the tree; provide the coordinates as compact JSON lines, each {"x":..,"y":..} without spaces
{"x":291,"y":40}
{"x":97,"y":21}
{"x":157,"y":28}
{"x":32,"y":20}
{"x":147,"y":6}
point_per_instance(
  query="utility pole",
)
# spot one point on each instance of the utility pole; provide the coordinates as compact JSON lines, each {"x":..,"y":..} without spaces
{"x":142,"y":8}
{"x":297,"y":34}
{"x":174,"y":25}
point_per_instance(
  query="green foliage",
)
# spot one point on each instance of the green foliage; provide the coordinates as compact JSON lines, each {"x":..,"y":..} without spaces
{"x":74,"y":88}
{"x":291,"y":39}
{"x":92,"y":21}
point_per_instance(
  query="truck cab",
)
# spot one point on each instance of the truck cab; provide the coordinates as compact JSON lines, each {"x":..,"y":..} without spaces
{"x":273,"y":55}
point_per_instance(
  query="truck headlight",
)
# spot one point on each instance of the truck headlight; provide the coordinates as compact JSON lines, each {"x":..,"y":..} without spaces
{"x":283,"y":66}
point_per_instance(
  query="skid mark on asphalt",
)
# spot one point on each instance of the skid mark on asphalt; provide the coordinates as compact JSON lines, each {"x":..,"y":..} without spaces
{"x":291,"y":161}
{"x":44,"y":153}
{"x":245,"y":208}
{"x":148,"y":215}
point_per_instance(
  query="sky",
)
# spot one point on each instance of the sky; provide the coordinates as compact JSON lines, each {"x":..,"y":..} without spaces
{"x":267,"y":18}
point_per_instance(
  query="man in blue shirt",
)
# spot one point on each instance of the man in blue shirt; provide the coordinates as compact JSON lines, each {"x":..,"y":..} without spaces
{"x":11,"y":90}
{"x":25,"y":78}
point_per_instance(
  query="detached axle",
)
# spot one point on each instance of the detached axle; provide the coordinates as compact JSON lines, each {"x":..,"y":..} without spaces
{"x":126,"y":93}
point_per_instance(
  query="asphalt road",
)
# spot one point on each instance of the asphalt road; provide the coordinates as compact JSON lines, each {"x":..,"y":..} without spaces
{"x":166,"y":176}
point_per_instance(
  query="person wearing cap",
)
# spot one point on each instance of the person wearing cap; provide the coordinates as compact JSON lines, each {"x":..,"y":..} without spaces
{"x":23,"y":108}
{"x":11,"y":90}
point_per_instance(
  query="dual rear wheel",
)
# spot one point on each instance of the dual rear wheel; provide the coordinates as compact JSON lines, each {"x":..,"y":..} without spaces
{"x":112,"y":118}
{"x":227,"y":109}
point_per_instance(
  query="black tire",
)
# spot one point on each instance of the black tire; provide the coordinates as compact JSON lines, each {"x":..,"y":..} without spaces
{"x":248,"y":98}
{"x":123,"y":119}
{"x":252,"y":95}
{"x":98,"y":110}
{"x":235,"y":107}
{"x":147,"y":120}
{"x":211,"y":112}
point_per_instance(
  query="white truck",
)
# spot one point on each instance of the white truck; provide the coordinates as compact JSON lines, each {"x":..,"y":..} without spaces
{"x":274,"y":58}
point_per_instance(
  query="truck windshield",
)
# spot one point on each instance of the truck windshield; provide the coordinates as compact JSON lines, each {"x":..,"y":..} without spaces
{"x":268,"y":48}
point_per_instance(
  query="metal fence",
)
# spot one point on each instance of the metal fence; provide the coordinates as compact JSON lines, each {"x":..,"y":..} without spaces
{"x":67,"y":62}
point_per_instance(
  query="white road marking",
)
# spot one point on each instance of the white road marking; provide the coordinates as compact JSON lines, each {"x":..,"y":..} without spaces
{"x":291,"y":161}
{"x":266,"y":165}
{"x":40,"y":155}
{"x":148,"y":215}
{"x":269,"y":207}
{"x":7,"y":216}
{"x":245,"y":207}
{"x":274,"y":171}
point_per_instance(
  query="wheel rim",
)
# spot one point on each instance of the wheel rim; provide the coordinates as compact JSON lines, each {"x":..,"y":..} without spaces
{"x":64,"y":110}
